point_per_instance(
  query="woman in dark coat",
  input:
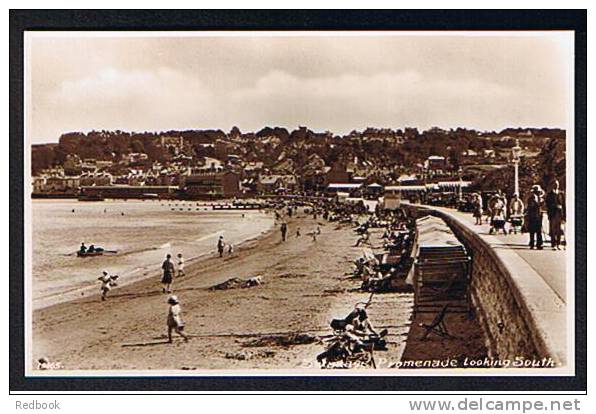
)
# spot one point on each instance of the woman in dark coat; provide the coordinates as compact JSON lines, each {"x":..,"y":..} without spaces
{"x":168,"y":273}
{"x":555,"y":210}
{"x":534,"y":216}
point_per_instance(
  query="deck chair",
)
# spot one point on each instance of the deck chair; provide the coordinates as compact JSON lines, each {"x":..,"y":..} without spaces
{"x":437,"y":325}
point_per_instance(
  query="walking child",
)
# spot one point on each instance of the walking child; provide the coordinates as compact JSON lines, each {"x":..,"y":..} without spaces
{"x":107,"y":282}
{"x":175,"y":322}
{"x":180,"y":265}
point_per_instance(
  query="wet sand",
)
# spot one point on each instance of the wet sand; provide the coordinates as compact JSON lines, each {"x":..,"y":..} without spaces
{"x":304,"y":288}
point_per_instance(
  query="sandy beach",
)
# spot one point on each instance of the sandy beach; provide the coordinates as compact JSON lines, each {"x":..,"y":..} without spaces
{"x":297,"y":296}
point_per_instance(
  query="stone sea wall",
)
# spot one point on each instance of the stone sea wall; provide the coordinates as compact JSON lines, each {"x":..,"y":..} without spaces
{"x":514,"y":325}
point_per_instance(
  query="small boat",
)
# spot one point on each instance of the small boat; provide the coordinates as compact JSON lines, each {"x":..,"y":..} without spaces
{"x":89,"y":254}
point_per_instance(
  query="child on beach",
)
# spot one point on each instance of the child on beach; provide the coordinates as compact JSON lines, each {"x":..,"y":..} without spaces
{"x":107,"y":282}
{"x":220,"y":246}
{"x":174,"y":319}
{"x":180,"y":265}
{"x":168,"y":273}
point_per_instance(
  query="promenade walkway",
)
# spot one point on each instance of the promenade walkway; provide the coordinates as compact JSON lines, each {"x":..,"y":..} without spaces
{"x":540,"y":277}
{"x":549,"y":264}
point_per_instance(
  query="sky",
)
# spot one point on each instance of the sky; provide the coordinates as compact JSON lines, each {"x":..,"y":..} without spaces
{"x":78,"y":82}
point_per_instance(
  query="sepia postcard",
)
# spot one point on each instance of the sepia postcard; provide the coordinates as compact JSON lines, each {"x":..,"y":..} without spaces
{"x":299,"y":203}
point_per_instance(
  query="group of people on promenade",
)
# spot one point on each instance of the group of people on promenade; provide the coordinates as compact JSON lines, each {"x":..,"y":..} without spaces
{"x":526,"y":217}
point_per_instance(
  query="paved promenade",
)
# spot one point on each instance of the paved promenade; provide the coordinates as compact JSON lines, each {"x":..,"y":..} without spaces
{"x":549,"y":264}
{"x":539,"y":276}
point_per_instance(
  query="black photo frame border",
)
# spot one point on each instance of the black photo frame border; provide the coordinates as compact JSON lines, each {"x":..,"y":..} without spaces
{"x":326,"y":20}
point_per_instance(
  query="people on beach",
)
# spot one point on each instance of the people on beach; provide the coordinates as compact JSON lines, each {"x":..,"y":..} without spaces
{"x":284,"y":230}
{"x":174,"y":320}
{"x":83,"y":248}
{"x":555,"y":210}
{"x":168,"y":274}
{"x":363,"y":238}
{"x":315,"y":233}
{"x":362,"y":325}
{"x":297,"y":231}
{"x":107,"y":282}
{"x":534,"y":216}
{"x":180,"y":265}
{"x":221,"y":246}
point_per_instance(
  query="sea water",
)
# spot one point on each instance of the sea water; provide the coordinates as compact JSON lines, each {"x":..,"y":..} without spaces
{"x":140,"y":232}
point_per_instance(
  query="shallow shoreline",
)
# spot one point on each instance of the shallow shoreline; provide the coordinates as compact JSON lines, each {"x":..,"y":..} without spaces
{"x":139,"y":268}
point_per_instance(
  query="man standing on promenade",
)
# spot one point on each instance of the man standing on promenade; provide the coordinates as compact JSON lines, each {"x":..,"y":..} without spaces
{"x":555,"y":210}
{"x":168,"y":273}
{"x":534,"y":213}
{"x":221,"y":246}
{"x":284,"y":230}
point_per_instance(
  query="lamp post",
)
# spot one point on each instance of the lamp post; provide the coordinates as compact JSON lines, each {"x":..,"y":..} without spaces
{"x":516,"y":153}
{"x":460,"y":172}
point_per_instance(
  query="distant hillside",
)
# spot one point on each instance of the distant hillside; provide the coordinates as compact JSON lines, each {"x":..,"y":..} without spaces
{"x":279,"y":148}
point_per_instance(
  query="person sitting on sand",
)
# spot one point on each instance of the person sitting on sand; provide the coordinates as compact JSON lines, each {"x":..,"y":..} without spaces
{"x":83,"y":248}
{"x":91,"y":249}
{"x":168,"y":273}
{"x":180,"y":265}
{"x":174,"y":321}
{"x":364,"y":238}
{"x":362,"y":325}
